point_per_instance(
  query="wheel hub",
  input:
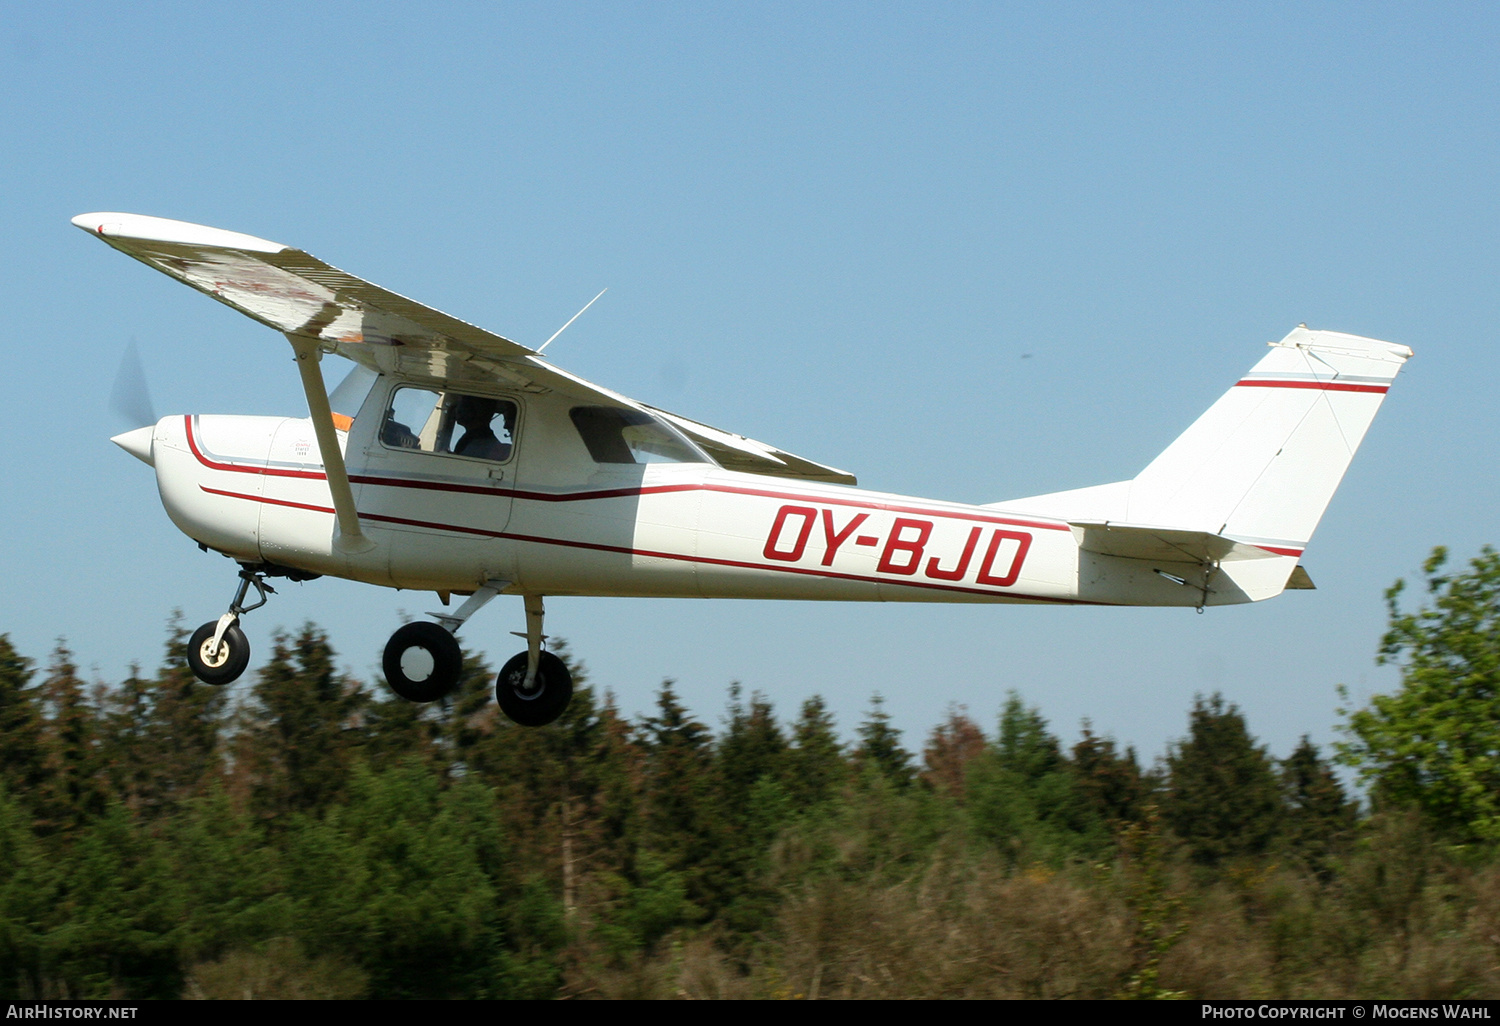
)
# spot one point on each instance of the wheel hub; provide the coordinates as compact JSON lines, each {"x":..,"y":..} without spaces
{"x":417,"y":663}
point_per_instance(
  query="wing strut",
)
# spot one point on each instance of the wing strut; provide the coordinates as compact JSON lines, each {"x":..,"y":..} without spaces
{"x":309,"y":356}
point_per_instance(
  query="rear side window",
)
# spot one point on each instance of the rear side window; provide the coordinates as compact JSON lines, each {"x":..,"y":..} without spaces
{"x":616,"y":435}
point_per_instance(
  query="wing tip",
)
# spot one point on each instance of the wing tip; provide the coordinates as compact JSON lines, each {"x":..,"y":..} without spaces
{"x":112,"y":225}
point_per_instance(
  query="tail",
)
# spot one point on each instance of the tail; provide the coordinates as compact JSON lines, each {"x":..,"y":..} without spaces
{"x":1251,"y":478}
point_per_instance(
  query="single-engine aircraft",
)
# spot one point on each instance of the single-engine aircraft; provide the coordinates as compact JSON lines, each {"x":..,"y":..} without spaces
{"x":456,"y":461}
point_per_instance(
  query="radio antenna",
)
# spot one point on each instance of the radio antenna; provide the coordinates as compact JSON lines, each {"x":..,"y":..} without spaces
{"x":575,"y":317}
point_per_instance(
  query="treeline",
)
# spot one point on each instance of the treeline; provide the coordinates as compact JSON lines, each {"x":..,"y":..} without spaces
{"x":304,"y":835}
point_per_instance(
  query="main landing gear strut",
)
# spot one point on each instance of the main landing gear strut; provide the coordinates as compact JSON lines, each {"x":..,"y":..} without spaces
{"x":423,"y":663}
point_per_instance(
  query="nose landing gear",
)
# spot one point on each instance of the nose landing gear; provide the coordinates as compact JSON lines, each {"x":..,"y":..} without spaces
{"x":218,"y":653}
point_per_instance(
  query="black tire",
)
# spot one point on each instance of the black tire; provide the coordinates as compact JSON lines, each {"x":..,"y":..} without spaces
{"x":225,"y":665}
{"x":421,"y":636}
{"x":546,"y":701}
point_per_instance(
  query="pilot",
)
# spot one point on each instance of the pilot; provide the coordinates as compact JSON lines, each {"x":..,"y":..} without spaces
{"x":474,"y":415}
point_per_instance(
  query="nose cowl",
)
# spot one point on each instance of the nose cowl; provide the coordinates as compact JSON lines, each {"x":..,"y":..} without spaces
{"x":138,"y":443}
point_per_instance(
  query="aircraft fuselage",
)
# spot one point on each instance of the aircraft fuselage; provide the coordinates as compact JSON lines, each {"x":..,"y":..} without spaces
{"x":253,"y":488}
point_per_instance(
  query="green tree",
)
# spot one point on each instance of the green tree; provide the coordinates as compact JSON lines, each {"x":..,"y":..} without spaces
{"x":816,"y":765}
{"x":1111,"y":783}
{"x":72,"y":790}
{"x":402,"y":878}
{"x":114,"y":918}
{"x":1222,"y":796}
{"x":28,"y":882}
{"x":20,"y":723}
{"x":301,"y":727}
{"x":1435,"y":743}
{"x":160,"y":737}
{"x":1024,"y":795}
{"x":679,"y":758}
{"x":750,"y":749}
{"x":752,"y":808}
{"x":1319,"y":818}
{"x":880,"y":748}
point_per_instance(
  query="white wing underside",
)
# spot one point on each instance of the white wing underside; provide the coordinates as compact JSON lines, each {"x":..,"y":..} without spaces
{"x":297,"y":294}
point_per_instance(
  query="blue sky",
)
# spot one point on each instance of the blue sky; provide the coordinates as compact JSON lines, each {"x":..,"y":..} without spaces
{"x":839,"y":228}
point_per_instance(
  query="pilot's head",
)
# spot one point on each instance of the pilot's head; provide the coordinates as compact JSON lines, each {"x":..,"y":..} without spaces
{"x":475,"y":413}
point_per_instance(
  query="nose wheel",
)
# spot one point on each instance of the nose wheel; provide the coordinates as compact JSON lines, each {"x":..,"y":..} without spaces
{"x":217,"y":652}
{"x":221,"y":662}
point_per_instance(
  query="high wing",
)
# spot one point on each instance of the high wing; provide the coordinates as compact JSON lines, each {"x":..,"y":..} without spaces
{"x":300,"y":296}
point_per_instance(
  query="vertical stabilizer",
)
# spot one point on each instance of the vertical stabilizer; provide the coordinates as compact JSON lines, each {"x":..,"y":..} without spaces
{"x":1262,"y":464}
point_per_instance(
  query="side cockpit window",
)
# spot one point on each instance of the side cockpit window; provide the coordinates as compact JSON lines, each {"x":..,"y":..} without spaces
{"x":479,"y":427}
{"x":616,"y":435}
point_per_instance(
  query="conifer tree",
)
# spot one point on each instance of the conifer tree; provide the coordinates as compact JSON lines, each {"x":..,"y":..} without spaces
{"x":20,"y":724}
{"x":1112,"y":784}
{"x":614,"y":810}
{"x":752,"y":806}
{"x":880,"y":748}
{"x":1023,"y":794}
{"x":816,"y":768}
{"x":301,"y":727}
{"x":123,"y":752}
{"x":73,"y":789}
{"x":750,"y":749}
{"x":1222,"y":795}
{"x":28,"y":895}
{"x":182,"y":728}
{"x":680,"y":821}
{"x":1024,"y":745}
{"x":1319,"y":817}
{"x":678,"y":762}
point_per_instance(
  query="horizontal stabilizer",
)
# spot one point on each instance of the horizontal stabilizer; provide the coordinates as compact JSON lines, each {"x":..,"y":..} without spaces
{"x":1299,"y":581}
{"x":1162,"y":544}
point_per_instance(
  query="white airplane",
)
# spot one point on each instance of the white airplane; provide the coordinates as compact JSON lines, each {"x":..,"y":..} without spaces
{"x":456,"y":461}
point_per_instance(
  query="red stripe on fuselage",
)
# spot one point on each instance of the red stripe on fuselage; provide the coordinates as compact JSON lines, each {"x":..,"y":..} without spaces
{"x":627,"y":551}
{"x":242,"y":468}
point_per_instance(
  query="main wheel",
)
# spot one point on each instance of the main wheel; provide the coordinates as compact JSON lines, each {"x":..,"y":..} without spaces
{"x":422,"y":662}
{"x":547,"y":698}
{"x":222,"y":666}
